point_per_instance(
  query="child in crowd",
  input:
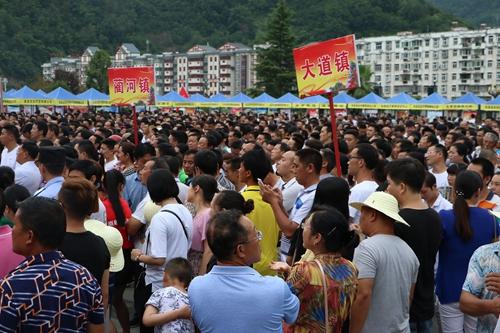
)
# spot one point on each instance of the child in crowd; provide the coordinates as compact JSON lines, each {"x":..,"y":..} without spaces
{"x":168,"y":308}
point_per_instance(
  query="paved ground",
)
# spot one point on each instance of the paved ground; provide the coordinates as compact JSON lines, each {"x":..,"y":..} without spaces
{"x":128,"y":296}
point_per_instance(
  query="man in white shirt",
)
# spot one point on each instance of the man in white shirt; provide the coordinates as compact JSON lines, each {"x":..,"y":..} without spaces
{"x":108,"y":152}
{"x":436,"y":159}
{"x":362,"y":162}
{"x":431,"y":195}
{"x":290,"y":187}
{"x":27,"y":173}
{"x":9,"y":136}
{"x":307,"y":165}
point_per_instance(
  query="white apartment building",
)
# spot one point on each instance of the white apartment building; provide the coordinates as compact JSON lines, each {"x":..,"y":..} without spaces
{"x":69,"y":64}
{"x":202,"y":69}
{"x":454,"y":62}
{"x":230,"y":69}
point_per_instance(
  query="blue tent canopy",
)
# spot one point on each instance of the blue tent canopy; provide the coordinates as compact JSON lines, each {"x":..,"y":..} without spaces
{"x":92,"y":95}
{"x":402,"y":98}
{"x":264,"y":98}
{"x":27,"y":93}
{"x":9,"y":93}
{"x":61,"y":94}
{"x":343,"y":98}
{"x":495,"y":101}
{"x":288,"y":98}
{"x":314,"y":99}
{"x":198,"y":98}
{"x":468,"y":98}
{"x":40,"y":91}
{"x":172,"y":97}
{"x":218,"y":98}
{"x":240,"y":98}
{"x":435,"y":98}
{"x":370,"y":101}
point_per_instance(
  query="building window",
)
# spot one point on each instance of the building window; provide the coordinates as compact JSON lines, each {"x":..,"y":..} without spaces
{"x":454,"y":65}
{"x":434,"y":66}
{"x":397,"y":55}
{"x":397,"y":44}
{"x":426,"y":77}
{"x":490,"y":75}
{"x":396,"y":77}
{"x":490,"y":63}
{"x":388,"y":67}
{"x":378,"y":78}
{"x":427,"y":42}
{"x":378,"y":46}
{"x":444,"y":65}
{"x":427,"y":53}
{"x":396,"y":67}
{"x":490,"y":39}
{"x":455,"y":41}
{"x":443,"y":89}
{"x":444,"y":54}
{"x":426,"y":65}
{"x":387,"y":78}
{"x":435,"y":54}
{"x":455,"y":52}
{"x":490,"y":50}
{"x":444,"y":77}
{"x":454,"y":76}
{"x":454,"y":88}
{"x":388,"y":45}
{"x":435,"y":42}
{"x":378,"y":68}
{"x":368,"y":47}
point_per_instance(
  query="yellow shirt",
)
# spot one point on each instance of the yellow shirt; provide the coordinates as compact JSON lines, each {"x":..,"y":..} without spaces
{"x":263,"y":218}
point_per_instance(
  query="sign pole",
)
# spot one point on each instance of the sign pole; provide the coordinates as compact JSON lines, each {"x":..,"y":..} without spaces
{"x":136,"y":134}
{"x":335,"y":137}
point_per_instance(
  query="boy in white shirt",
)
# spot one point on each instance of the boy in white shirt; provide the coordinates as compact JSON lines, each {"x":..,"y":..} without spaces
{"x":168,"y":308}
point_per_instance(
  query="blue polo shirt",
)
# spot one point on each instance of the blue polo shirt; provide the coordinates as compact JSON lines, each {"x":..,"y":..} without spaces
{"x":134,"y":190}
{"x":239,"y":299}
{"x":51,"y":189}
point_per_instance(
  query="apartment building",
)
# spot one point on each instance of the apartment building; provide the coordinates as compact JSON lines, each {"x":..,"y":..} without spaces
{"x":452,"y":63}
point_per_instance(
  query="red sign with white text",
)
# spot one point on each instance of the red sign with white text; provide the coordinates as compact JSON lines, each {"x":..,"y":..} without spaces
{"x":131,"y":85}
{"x":328,"y":66}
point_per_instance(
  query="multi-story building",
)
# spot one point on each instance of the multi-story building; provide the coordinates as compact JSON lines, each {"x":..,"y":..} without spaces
{"x":230,"y":69}
{"x":76,"y":65}
{"x":452,"y":62}
{"x":202,"y":69}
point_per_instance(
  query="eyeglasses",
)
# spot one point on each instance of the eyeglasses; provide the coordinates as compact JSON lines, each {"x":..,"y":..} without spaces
{"x":259,"y":237}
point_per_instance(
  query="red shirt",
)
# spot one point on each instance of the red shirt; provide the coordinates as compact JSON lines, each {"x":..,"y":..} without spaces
{"x":111,"y":220}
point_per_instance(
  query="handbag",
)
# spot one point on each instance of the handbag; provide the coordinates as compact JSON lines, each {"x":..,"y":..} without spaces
{"x":325,"y":291}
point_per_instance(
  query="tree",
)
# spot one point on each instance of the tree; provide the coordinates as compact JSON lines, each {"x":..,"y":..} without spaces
{"x":97,"y":72}
{"x":70,"y":80}
{"x":275,"y":69}
{"x":365,"y":75}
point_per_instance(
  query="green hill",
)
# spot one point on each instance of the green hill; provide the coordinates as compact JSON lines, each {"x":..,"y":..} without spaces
{"x":31,"y":31}
{"x":476,"y":12}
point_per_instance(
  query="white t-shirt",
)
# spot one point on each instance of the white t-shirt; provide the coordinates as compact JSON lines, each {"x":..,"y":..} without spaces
{"x":441,"y":204}
{"x":290,"y":191}
{"x":301,"y":208}
{"x":441,"y":179}
{"x":100,"y":215}
{"x":169,"y":299}
{"x":110,"y":165}
{"x":28,"y":175}
{"x":183,"y":190}
{"x":165,"y":238}
{"x":359,"y":193}
{"x":9,"y":158}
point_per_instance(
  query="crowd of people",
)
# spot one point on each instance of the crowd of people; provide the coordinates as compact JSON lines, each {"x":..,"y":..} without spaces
{"x":225,"y":222}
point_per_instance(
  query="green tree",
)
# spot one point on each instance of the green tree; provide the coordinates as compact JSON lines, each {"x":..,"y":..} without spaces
{"x":97,"y":72}
{"x":365,"y":75}
{"x":70,"y":79}
{"x":275,"y":69}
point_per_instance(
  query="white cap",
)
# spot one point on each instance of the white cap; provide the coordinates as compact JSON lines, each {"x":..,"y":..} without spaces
{"x":382,"y":202}
{"x":113,"y":240}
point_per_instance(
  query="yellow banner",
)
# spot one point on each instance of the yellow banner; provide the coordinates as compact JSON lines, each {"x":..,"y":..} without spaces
{"x":490,"y":107}
{"x":22,"y":101}
{"x":461,"y":106}
{"x":366,"y":106}
{"x":429,"y":106}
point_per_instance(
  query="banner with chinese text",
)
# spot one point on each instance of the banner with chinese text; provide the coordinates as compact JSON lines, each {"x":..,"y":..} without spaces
{"x":130,"y":85}
{"x":328,"y":66}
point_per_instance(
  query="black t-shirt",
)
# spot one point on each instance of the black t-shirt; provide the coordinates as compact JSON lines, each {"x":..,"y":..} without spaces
{"x":88,"y":250}
{"x":424,"y":238}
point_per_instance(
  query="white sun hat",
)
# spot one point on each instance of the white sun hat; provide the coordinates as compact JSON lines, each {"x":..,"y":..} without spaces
{"x":384,"y":203}
{"x":113,"y":239}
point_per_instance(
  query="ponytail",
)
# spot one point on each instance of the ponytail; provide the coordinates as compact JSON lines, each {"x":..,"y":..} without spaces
{"x":461,"y":210}
{"x":467,"y":184}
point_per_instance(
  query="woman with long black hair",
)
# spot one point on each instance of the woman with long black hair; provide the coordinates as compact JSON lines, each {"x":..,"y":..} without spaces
{"x":117,"y":215}
{"x":465,"y":228}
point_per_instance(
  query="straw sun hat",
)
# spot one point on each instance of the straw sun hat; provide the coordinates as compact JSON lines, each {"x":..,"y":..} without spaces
{"x":384,"y":203}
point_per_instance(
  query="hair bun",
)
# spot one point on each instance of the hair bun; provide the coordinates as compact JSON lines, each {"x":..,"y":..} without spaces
{"x":248,"y":206}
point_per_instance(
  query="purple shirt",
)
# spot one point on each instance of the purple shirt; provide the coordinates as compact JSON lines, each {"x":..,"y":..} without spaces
{"x":199,"y":229}
{"x":8,"y":259}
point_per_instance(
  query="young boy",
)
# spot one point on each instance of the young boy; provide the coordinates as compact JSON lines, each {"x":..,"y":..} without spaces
{"x":168,"y":308}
